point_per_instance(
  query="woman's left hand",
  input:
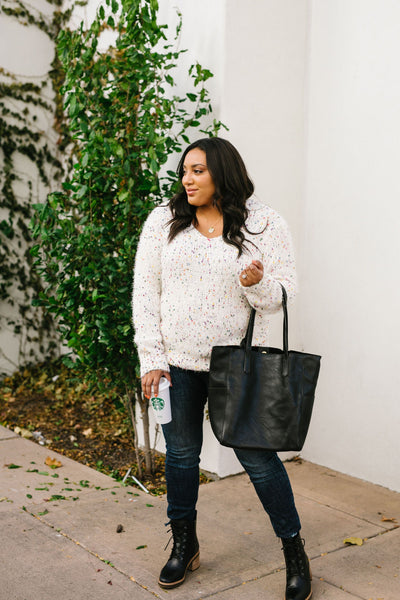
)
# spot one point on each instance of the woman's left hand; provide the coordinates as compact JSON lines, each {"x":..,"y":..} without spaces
{"x":252,"y":274}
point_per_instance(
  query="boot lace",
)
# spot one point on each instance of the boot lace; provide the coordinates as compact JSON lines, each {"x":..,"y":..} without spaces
{"x":179,"y":534}
{"x":296,"y":562}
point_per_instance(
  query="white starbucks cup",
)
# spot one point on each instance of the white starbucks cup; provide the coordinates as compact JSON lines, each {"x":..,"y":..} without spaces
{"x":161,"y":404}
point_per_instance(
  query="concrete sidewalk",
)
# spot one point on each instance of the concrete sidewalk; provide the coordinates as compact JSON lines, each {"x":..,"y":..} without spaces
{"x":59,"y":535}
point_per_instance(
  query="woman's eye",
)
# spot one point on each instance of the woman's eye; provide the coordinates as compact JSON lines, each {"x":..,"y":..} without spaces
{"x":198,"y":172}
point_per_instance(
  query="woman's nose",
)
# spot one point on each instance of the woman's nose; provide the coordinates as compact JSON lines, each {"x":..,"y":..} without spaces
{"x":187,"y":178}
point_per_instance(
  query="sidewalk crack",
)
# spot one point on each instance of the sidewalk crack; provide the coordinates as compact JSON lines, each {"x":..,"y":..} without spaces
{"x":92,"y":553}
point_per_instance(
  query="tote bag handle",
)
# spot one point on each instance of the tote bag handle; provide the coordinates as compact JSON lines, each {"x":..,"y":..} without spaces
{"x":248,"y":338}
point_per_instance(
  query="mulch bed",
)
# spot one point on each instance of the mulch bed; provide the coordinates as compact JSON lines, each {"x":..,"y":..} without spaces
{"x":76,"y":420}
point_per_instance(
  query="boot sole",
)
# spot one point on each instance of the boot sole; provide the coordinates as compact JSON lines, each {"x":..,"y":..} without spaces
{"x":193,"y":564}
{"x":308,"y":597}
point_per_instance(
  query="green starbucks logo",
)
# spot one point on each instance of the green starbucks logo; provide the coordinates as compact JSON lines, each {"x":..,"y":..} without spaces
{"x":158,"y":403}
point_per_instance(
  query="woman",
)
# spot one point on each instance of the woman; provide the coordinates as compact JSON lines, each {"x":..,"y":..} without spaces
{"x":202,"y":262}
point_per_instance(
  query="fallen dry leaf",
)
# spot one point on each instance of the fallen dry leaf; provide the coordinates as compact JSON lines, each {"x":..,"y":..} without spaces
{"x":87,"y":432}
{"x":354,"y":541}
{"x":25,"y":433}
{"x":53,"y":463}
{"x":389,"y":520}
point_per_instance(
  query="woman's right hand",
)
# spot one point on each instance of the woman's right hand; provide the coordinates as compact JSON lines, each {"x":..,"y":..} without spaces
{"x":151,"y":380}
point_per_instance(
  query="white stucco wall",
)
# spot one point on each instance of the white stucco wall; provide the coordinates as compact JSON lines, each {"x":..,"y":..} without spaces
{"x":351,"y":244}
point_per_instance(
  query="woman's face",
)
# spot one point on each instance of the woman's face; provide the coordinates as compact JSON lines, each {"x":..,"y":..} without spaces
{"x":196,"y":180}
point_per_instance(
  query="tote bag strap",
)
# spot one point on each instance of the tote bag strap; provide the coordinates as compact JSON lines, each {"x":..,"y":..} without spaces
{"x":248,"y":338}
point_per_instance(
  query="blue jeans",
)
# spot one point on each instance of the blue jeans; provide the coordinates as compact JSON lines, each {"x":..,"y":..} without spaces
{"x":184,"y":438}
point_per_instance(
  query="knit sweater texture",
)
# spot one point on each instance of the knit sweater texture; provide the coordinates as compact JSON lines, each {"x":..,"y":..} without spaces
{"x":187,"y":294}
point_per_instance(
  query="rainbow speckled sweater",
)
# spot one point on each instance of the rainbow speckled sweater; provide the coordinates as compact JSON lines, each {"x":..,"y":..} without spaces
{"x":187,"y":296}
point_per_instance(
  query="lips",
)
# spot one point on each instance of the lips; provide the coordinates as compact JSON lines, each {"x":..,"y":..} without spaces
{"x":190,"y":192}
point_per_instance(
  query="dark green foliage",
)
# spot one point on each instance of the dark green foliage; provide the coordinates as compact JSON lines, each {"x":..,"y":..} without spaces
{"x":125,"y":122}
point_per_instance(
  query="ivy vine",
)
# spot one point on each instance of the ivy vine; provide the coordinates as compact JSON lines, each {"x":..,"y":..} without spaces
{"x":30,"y":166}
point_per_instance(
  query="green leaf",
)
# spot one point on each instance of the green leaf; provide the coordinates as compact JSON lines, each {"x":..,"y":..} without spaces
{"x":123,"y":196}
{"x":82,"y":192}
{"x":56,"y":497}
{"x":154,"y":166}
{"x":73,"y":106}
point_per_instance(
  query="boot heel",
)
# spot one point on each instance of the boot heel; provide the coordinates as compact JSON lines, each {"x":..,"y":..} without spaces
{"x":185,"y":555}
{"x":195,"y":564}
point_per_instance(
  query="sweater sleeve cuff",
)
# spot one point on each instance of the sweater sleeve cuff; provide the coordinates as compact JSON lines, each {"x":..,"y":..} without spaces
{"x":152,"y":363}
{"x":265,"y":295}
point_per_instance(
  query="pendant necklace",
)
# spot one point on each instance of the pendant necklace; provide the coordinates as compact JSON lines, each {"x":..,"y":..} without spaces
{"x":212,"y":228}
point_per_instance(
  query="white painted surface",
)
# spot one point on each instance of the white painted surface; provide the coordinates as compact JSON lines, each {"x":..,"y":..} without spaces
{"x":351,"y":244}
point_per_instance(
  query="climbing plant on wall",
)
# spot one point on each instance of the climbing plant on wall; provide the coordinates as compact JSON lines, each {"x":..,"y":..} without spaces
{"x":30,"y":166}
{"x":126,"y":120}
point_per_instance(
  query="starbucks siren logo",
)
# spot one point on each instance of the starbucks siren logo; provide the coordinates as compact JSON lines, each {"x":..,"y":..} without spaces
{"x":158,"y":403}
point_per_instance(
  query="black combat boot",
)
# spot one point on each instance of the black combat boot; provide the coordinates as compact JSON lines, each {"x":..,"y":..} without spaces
{"x":298,"y":574}
{"x":185,"y":554}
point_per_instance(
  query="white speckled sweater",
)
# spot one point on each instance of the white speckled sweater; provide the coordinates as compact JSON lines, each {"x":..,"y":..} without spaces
{"x":187,"y":296}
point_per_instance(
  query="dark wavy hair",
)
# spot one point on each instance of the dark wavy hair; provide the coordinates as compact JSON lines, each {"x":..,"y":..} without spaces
{"x":233,"y":187}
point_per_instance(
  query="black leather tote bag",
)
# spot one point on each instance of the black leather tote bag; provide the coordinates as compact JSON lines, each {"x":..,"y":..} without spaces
{"x":262,"y":397}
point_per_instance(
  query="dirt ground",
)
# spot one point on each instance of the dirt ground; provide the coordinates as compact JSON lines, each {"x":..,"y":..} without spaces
{"x":59,"y":411}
